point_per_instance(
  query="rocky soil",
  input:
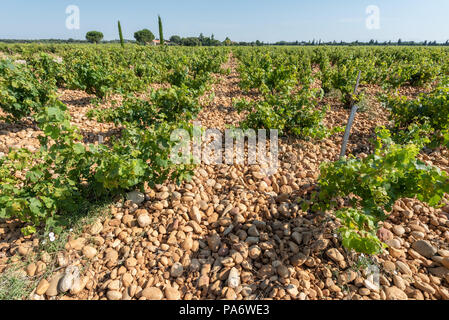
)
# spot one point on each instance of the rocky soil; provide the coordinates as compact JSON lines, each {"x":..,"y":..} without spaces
{"x":233,"y":232}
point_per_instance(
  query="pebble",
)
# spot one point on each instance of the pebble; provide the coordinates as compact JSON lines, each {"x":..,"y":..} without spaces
{"x":292,"y":290}
{"x":394,"y":293}
{"x":195,"y":214}
{"x":31,"y":269}
{"x":424,"y":248}
{"x":76,"y":244}
{"x":135,"y":197}
{"x":89,"y":252}
{"x":53,"y":285}
{"x":398,"y":230}
{"x":283,"y":271}
{"x":96,"y":228}
{"x":233,"y":278}
{"x":114,"y":295}
{"x":144,"y":220}
{"x":176,"y":270}
{"x":71,"y":273}
{"x":42,"y":287}
{"x":214,"y":242}
{"x":172,"y":293}
{"x":152,"y":293}
{"x":445,"y":262}
{"x":335,"y":255}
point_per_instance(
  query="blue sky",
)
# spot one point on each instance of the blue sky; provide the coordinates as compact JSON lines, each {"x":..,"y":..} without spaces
{"x":241,"y":20}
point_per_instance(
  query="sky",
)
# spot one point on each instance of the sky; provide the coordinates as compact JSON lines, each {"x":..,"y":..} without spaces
{"x":240,"y":20}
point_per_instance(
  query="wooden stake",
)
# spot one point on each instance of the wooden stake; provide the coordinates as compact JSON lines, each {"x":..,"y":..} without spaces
{"x":350,"y":120}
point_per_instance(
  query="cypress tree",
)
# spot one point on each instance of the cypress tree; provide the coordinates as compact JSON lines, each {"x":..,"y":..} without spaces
{"x":161,"y":33}
{"x":122,"y":42}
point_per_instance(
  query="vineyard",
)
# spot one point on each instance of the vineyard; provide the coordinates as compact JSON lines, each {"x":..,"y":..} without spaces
{"x":93,"y":205}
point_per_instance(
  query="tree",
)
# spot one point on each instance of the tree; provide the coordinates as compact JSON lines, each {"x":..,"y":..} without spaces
{"x":143,"y":36}
{"x":175,"y":39}
{"x":161,"y":33}
{"x":191,"y":41}
{"x":122,"y":43}
{"x":94,"y":36}
{"x":227,"y":42}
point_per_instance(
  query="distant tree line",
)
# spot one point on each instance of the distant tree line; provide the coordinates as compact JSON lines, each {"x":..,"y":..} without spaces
{"x":196,"y":41}
{"x":145,"y":36}
{"x":360,"y":43}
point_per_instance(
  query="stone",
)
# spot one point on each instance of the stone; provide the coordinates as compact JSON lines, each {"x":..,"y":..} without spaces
{"x":24,"y":250}
{"x":233,"y":278}
{"x":135,"y":197}
{"x":230,"y":294}
{"x":292,"y":290}
{"x":127,"y":279}
{"x":76,"y":244}
{"x":114,"y":285}
{"x":440,"y":272}
{"x":96,"y":228}
{"x":263,"y":186}
{"x":394,"y":243}
{"x":214,"y":242}
{"x":62,"y":260}
{"x":42,"y":287}
{"x":320,"y":245}
{"x":131,"y":262}
{"x":246,"y":291}
{"x":53,"y":286}
{"x":144,"y":220}
{"x":40,"y":267}
{"x":394,"y":293}
{"x":399,"y":282}
{"x":203,"y":282}
{"x":114,"y":295}
{"x":398,"y":230}
{"x":195,"y":214}
{"x":384,"y":234}
{"x":252,"y":231}
{"x":371,"y":284}
{"x":172,"y":293}
{"x":111,"y":255}
{"x":66,"y":282}
{"x":45,"y":257}
{"x":445,"y":262}
{"x":31,"y":269}
{"x":252,"y":240}
{"x":335,"y":255}
{"x":403,"y":268}
{"x":396,"y":253}
{"x":298,"y":260}
{"x":195,"y":265}
{"x":176,"y":270}
{"x":424,"y":248}
{"x":364,"y":292}
{"x":297,"y":237}
{"x":425,"y":287}
{"x":389,"y":266}
{"x":78,"y":285}
{"x":89,"y":252}
{"x":283,"y":271}
{"x":152,"y":293}
{"x":187,"y":244}
{"x":254,"y":252}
